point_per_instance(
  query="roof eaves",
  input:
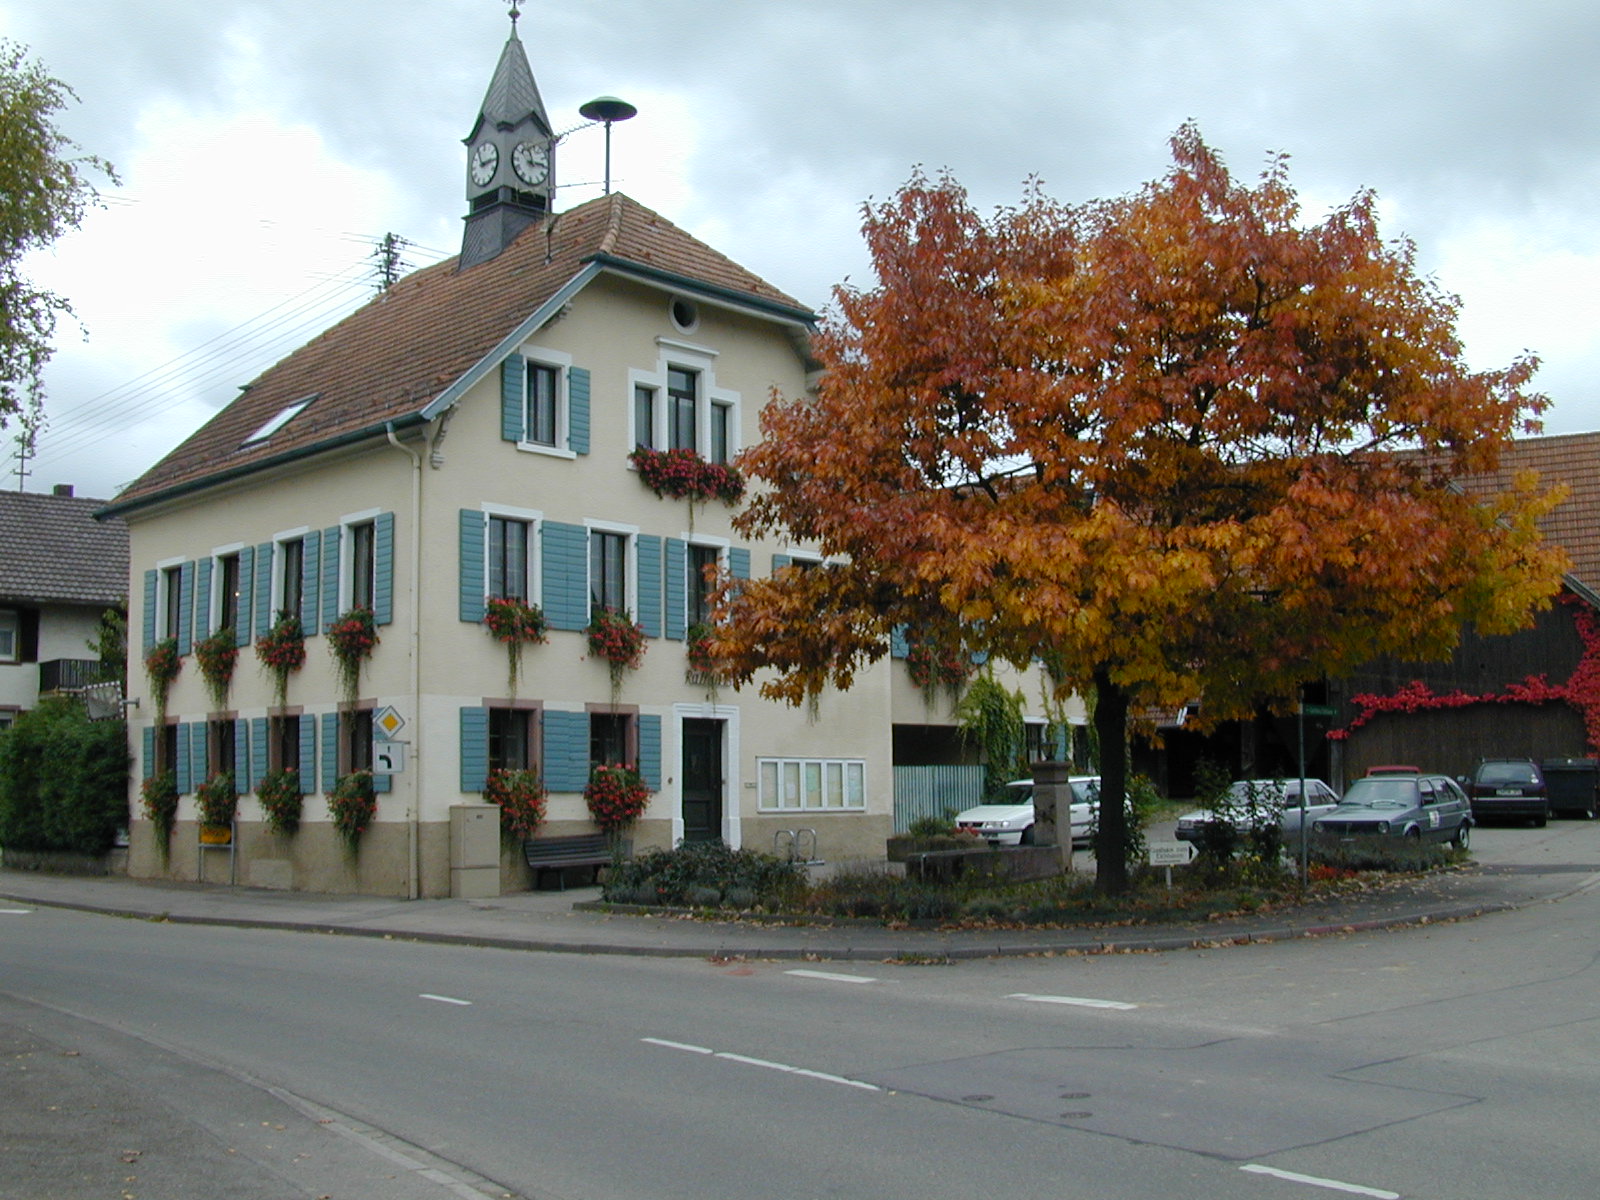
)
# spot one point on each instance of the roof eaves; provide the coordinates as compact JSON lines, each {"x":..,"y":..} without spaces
{"x":191,"y":486}
{"x":627,"y":266}
{"x":510,"y":342}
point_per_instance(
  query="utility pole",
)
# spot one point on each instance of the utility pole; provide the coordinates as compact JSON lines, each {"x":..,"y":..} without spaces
{"x":390,"y":265}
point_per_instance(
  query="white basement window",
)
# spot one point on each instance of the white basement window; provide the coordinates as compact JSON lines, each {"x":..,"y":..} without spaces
{"x":812,"y":784}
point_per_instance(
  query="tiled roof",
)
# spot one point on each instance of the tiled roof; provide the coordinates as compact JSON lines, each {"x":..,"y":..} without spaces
{"x":52,"y":550}
{"x":1572,"y":459}
{"x":387,"y":360}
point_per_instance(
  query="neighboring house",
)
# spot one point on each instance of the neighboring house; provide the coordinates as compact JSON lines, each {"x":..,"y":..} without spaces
{"x":60,"y":570}
{"x":464,"y":437}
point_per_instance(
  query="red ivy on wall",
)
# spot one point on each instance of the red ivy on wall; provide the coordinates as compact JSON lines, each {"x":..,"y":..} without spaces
{"x":1582,"y":690}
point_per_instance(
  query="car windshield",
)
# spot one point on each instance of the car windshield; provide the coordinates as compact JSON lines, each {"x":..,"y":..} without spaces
{"x":1084,"y":791}
{"x":1505,"y":773}
{"x":1382,"y":793}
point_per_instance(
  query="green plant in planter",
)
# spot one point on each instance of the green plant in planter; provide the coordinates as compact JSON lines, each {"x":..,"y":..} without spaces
{"x":158,"y":798}
{"x":521,"y":796}
{"x":218,"y":800}
{"x":619,"y":639}
{"x":281,"y":800}
{"x":282,"y":651}
{"x":353,"y":805}
{"x":351,"y":640}
{"x":217,"y":655}
{"x":514,"y":623}
{"x":161,"y":667}
{"x":616,"y":794}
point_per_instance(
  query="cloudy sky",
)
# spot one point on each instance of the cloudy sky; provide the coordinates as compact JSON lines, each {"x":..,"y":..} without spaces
{"x":265,"y":145}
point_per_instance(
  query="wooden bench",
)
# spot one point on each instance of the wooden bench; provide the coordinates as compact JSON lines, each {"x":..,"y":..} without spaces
{"x":573,"y":850}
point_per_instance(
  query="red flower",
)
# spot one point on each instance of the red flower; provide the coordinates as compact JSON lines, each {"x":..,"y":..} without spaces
{"x":682,"y":474}
{"x":616,"y":795}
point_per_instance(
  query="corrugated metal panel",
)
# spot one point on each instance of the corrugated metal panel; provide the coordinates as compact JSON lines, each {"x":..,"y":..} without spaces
{"x":934,"y":792}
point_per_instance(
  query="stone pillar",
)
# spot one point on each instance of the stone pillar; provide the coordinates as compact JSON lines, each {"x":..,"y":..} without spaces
{"x":1052,"y":808}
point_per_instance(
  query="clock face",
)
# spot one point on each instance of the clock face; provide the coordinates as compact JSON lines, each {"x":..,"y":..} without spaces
{"x":531,"y":161}
{"x":484,"y":161}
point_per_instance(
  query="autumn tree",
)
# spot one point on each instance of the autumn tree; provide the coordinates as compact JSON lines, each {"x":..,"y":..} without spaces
{"x":1150,"y":442}
{"x":44,"y":191}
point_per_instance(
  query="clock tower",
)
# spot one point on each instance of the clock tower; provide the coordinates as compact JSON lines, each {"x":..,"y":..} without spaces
{"x":511,"y":158}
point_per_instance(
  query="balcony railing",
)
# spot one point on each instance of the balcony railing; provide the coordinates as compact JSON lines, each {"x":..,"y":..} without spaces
{"x":72,"y":674}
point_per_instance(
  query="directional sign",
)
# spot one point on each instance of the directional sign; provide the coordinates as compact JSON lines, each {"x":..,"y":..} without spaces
{"x":386,"y":722}
{"x":1169,"y":854}
{"x":388,"y":758}
{"x":1319,"y":710}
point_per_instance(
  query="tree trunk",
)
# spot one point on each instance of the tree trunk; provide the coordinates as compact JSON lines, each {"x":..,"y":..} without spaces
{"x":1111,"y":728}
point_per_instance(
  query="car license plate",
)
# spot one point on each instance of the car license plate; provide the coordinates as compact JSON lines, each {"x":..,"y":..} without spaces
{"x":1508,"y":791}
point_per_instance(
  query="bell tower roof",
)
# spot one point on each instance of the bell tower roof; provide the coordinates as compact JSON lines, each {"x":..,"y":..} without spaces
{"x":513,"y":96}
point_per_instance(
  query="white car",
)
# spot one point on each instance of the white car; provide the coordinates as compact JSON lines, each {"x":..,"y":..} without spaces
{"x":1011,"y":823}
{"x":1281,"y":796}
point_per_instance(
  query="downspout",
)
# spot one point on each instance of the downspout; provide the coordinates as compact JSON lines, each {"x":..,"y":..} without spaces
{"x":414,"y":820}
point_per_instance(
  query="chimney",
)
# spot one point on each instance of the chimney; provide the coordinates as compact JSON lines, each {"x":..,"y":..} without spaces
{"x":62,"y":489}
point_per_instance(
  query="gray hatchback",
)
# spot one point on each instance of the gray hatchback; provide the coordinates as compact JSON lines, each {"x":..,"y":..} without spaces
{"x":1418,"y":808}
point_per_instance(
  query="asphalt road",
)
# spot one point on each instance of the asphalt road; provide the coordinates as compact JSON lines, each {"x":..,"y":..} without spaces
{"x":1458,"y":1060}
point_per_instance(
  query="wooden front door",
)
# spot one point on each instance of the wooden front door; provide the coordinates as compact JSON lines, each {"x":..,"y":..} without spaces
{"x":702,"y":780}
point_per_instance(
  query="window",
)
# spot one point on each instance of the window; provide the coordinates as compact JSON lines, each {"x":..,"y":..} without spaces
{"x":277,"y":422}
{"x":167,"y":748}
{"x":812,"y":784}
{"x":8,"y":718}
{"x":355,"y":741}
{"x":721,"y":418}
{"x":540,"y":404}
{"x":608,"y":571}
{"x":171,"y":601}
{"x":227,"y":605}
{"x":703,"y":561}
{"x":219,"y":748}
{"x":511,"y":739}
{"x":612,"y":738}
{"x":508,"y":558}
{"x":10,"y":637}
{"x":683,"y":391}
{"x":363,"y":564}
{"x":283,"y":743}
{"x":644,"y":416}
{"x":291,"y":575}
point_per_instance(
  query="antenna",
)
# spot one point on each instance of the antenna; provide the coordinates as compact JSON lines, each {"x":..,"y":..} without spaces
{"x":607,"y":109}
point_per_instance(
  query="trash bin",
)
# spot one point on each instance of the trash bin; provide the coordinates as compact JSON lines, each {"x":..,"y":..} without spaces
{"x":1574,"y":785}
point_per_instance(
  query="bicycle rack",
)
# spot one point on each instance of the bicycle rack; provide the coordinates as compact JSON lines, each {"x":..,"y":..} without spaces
{"x":797,"y":845}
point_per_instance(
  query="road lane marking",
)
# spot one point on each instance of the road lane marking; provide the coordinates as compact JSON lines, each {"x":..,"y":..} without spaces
{"x":765,"y":1064}
{"x":15,"y":912}
{"x":1355,"y":1189}
{"x":834,"y":977}
{"x":1078,"y":1001}
{"x":445,"y":999}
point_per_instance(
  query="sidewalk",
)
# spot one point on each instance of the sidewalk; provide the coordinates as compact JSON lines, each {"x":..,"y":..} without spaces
{"x":570,"y":922}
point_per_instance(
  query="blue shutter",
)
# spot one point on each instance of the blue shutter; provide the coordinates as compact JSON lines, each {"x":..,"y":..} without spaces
{"x":650,"y":750}
{"x":330,"y":577}
{"x":310,"y":577}
{"x":255,"y":581}
{"x":513,"y":382}
{"x":677,"y":587}
{"x":202,"y":600}
{"x":739,"y":562}
{"x":474,"y":749}
{"x":565,"y":561}
{"x":181,"y":767}
{"x":307,"y":765}
{"x":186,"y":608}
{"x":578,"y":410}
{"x":471,"y":565}
{"x":247,"y":591}
{"x":566,"y":751}
{"x":241,"y":757}
{"x":258,"y":753}
{"x":649,"y":565}
{"x":149,"y":751}
{"x":199,"y":766}
{"x":330,"y":751}
{"x":780,"y":561}
{"x":898,"y":646}
{"x":383,"y":569}
{"x":151,"y":586}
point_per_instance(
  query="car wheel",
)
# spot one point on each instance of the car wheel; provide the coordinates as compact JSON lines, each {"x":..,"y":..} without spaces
{"x":1541,"y":820}
{"x":1413,"y":834}
{"x":1027,"y":837}
{"x":1463,"y":837}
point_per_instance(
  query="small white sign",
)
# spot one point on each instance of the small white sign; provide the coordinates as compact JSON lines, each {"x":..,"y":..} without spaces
{"x":1169,"y":854}
{"x":388,"y":758}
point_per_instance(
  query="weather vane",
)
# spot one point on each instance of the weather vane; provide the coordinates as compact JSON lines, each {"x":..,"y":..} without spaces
{"x":516,"y":11}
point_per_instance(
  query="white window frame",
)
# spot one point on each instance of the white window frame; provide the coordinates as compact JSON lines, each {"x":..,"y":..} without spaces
{"x":706,"y":542}
{"x":686,"y":356}
{"x":10,"y":624}
{"x":280,"y":562}
{"x":562,"y":362}
{"x":214,"y":601}
{"x":347,"y":554}
{"x":163,"y":599}
{"x":630,"y":565}
{"x":533,"y":585}
{"x":775,"y":775}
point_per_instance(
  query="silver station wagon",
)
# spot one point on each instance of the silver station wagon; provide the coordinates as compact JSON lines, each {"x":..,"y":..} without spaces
{"x":1421,"y":808}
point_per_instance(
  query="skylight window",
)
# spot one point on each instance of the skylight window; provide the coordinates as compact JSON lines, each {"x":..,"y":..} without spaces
{"x":283,"y":417}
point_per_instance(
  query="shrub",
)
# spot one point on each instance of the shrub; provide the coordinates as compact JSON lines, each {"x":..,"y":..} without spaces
{"x":931,"y":826}
{"x":281,"y":800}
{"x":218,"y":800}
{"x":158,"y":798}
{"x":63,"y":780}
{"x":705,"y":875}
{"x":1380,"y":854}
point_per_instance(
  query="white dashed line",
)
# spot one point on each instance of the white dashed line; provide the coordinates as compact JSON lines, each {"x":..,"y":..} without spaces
{"x":15,"y":912}
{"x":765,"y":1064}
{"x":829,"y":975}
{"x":1354,"y":1189}
{"x":1077,"y":1001}
{"x":445,"y":999}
